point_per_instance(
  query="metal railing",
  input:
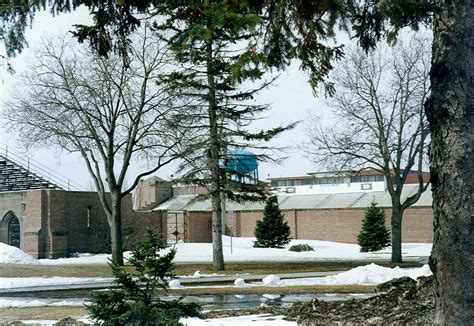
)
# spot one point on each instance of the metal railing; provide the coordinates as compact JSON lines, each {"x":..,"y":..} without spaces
{"x":38,"y":169}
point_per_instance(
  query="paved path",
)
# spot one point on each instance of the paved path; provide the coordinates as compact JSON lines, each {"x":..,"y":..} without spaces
{"x":183,"y":280}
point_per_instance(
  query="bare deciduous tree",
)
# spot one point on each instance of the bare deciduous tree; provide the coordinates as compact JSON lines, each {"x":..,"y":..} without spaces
{"x":109,"y":113}
{"x":381,"y":122}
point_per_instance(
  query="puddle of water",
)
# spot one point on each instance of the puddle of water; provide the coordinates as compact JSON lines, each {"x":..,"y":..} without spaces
{"x":214,"y":302}
{"x":211,"y":302}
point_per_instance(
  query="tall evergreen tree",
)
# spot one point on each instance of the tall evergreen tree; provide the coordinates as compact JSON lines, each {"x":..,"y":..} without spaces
{"x":216,"y":51}
{"x":373,"y":236}
{"x":272,"y":231}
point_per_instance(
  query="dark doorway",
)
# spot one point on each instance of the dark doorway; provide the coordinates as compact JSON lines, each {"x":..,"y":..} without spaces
{"x":14,"y":232}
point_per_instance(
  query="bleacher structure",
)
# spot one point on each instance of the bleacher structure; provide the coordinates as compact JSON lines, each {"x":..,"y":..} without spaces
{"x":15,"y":177}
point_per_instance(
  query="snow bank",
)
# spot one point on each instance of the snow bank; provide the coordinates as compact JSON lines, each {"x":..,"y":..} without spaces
{"x":271,"y":280}
{"x":365,"y":275}
{"x":240,"y":282}
{"x":174,"y":284}
{"x":40,"y":322}
{"x":19,"y":282}
{"x":13,"y":255}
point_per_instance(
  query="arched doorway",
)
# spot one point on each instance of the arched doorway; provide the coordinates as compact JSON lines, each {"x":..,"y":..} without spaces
{"x":14,"y":232}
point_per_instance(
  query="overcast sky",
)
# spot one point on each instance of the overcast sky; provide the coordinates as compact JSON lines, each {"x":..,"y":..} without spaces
{"x":291,"y":99}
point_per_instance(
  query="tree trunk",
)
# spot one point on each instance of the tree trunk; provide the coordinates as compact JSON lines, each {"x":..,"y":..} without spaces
{"x":214,"y":154}
{"x":115,"y":223}
{"x":217,"y":253}
{"x":396,"y":223}
{"x":450,"y":112}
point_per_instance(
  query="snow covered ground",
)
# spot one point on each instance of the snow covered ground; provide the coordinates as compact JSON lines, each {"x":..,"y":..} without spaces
{"x":242,"y":251}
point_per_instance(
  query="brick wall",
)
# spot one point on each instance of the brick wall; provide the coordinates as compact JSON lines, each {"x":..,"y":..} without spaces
{"x":88,"y":227}
{"x":135,"y":223}
{"x":33,"y":231}
{"x":86,"y":222}
{"x":55,"y":223}
{"x":417,"y":224}
{"x":151,"y":192}
{"x":198,"y":226}
{"x":339,"y":225}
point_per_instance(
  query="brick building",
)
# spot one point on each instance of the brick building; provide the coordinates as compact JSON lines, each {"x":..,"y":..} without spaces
{"x":49,"y":222}
{"x":320,"y":206}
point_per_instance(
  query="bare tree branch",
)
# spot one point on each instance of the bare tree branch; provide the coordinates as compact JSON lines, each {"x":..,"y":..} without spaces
{"x":109,"y":113}
{"x":379,"y":102}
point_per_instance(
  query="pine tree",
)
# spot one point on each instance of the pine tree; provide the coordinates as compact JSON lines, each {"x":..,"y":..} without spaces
{"x":218,"y":70}
{"x":137,"y":301}
{"x":374,"y":235}
{"x":272,"y":231}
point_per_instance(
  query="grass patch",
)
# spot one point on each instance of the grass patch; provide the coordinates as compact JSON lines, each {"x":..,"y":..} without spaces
{"x":40,"y":313}
{"x":103,"y":270}
{"x":285,"y":267}
{"x":300,"y":289}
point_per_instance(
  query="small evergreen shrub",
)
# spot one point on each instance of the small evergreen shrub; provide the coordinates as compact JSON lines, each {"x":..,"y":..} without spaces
{"x":272,"y":231}
{"x":301,"y":247}
{"x":137,"y":302}
{"x":374,"y":235}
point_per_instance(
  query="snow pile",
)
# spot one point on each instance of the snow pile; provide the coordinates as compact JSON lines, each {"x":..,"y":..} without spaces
{"x":271,"y":280}
{"x":13,"y":255}
{"x":256,"y":320}
{"x":175,"y":284}
{"x":20,"y":282}
{"x":365,"y":275}
{"x":270,"y":296}
{"x":40,"y":322}
{"x":240,"y":282}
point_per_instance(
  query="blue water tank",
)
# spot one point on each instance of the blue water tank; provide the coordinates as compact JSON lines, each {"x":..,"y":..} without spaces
{"x":242,"y":162}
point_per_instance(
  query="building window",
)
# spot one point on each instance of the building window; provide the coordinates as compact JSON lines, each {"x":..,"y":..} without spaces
{"x":89,"y":214}
{"x":367,"y":178}
{"x":307,"y":182}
